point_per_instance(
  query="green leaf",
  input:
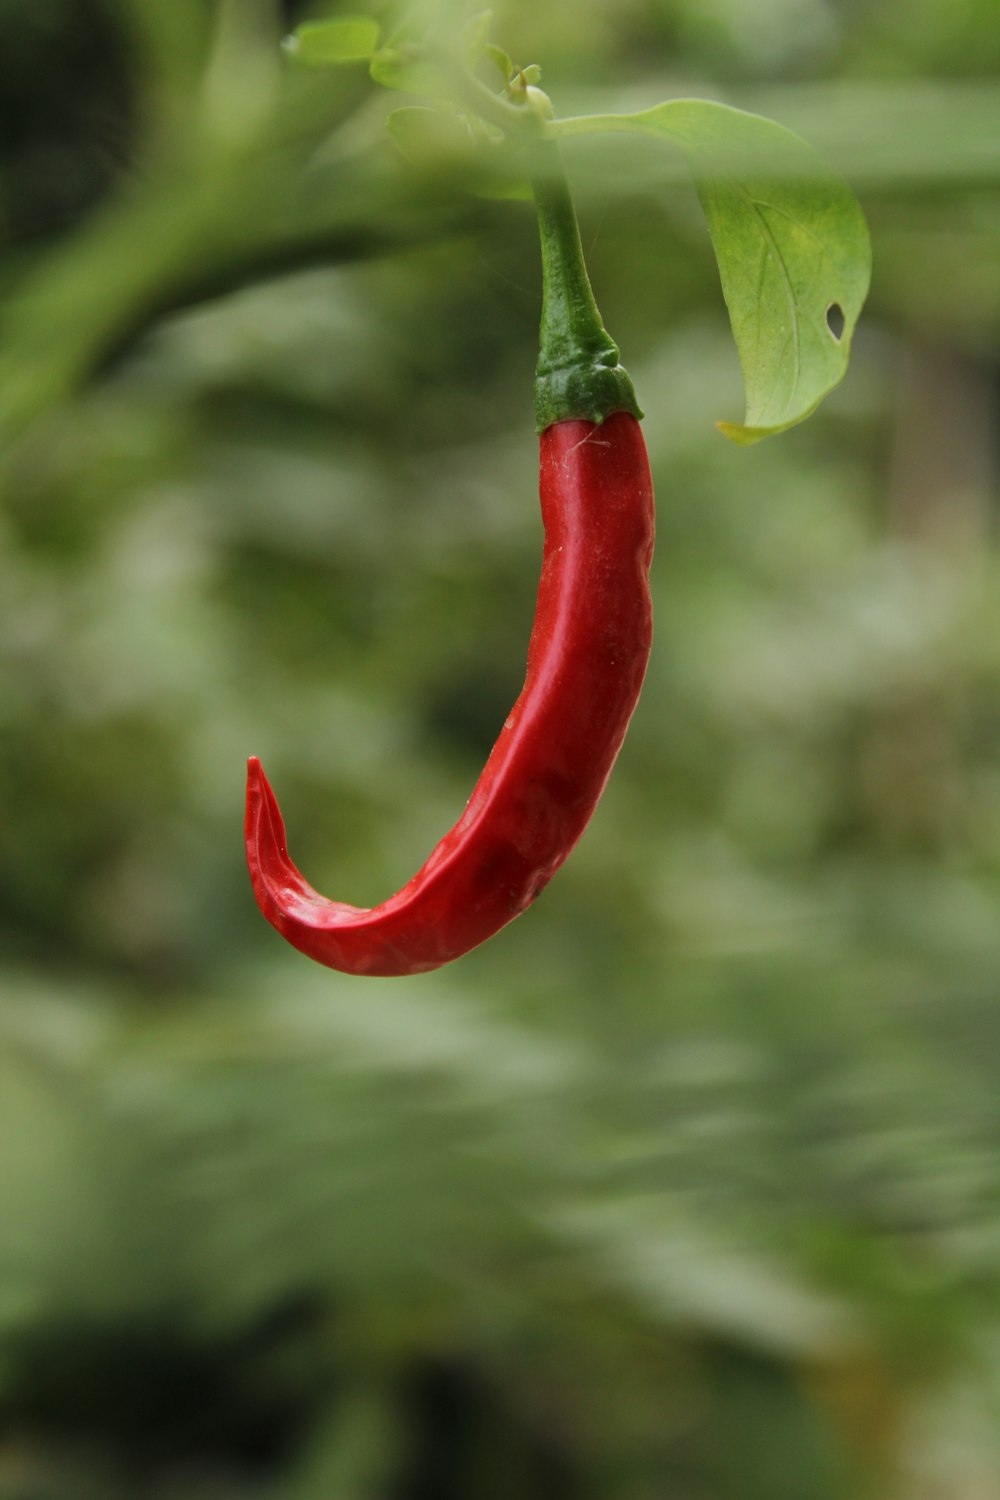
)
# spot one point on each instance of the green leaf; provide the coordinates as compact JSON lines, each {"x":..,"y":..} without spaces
{"x":322,"y":44}
{"x":430,"y":137}
{"x":791,"y":243}
{"x":500,"y":60}
{"x":434,"y":139}
{"x":407,"y":69}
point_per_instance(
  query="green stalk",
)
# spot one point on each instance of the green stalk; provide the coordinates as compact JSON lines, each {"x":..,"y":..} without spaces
{"x":579,"y":375}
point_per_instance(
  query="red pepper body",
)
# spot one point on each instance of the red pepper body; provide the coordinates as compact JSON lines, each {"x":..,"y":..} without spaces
{"x":586,"y":661}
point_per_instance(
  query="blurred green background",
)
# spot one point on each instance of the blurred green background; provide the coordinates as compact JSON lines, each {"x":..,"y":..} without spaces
{"x":686,"y":1186}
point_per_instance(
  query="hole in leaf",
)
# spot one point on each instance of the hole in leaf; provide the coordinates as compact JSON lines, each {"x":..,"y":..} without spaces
{"x":835,"y":320}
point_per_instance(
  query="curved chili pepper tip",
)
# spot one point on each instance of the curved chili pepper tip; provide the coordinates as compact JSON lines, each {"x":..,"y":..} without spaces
{"x":276,"y":881}
{"x":586,"y":660}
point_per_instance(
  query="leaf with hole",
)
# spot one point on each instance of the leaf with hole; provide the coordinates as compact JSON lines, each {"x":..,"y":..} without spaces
{"x":791,"y":243}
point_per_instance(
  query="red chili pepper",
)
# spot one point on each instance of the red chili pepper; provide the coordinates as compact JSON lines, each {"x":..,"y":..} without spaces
{"x":586,"y":660}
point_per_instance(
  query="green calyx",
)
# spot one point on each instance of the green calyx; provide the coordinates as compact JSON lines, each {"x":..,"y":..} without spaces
{"x":586,"y":392}
{"x":579,"y":375}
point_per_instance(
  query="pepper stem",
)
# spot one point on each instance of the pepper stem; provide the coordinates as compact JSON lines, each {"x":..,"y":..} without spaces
{"x":579,"y":375}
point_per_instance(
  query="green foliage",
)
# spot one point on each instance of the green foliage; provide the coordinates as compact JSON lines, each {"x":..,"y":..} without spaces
{"x":790,"y":239}
{"x":686,"y":1184}
{"x":430,"y":137}
{"x":345,"y":39}
{"x":792,"y":247}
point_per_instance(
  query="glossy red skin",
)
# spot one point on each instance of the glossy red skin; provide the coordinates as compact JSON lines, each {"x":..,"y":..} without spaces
{"x":586,"y":660}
